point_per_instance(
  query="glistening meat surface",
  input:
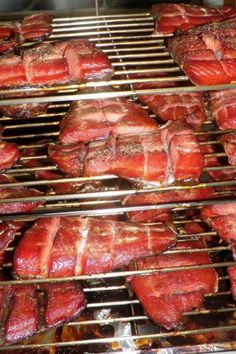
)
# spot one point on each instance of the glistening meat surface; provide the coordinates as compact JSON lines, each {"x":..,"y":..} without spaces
{"x":223,"y":108}
{"x":173,"y":106}
{"x":229,"y":143}
{"x":168,"y":155}
{"x":47,"y":64}
{"x":222,"y":218}
{"x":162,"y":214}
{"x":59,"y":247}
{"x":29,"y":309}
{"x":173,"y":17}
{"x":165,"y":296}
{"x":9,"y":153}
{"x":17,"y":192}
{"x":96,"y":119}
{"x":207,"y":54}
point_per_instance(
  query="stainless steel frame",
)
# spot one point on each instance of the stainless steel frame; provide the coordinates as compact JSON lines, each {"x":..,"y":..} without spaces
{"x":128,"y":41}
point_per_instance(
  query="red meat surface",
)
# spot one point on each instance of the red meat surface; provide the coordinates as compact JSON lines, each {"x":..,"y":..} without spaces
{"x":165,"y":296}
{"x":47,"y":64}
{"x":36,"y":27}
{"x":170,"y":154}
{"x":96,"y":119}
{"x":12,"y":71}
{"x":7,"y":231}
{"x":162,"y":214}
{"x":229,"y":143}
{"x":64,"y":187}
{"x":171,"y":17}
{"x":232,"y":278}
{"x":26,"y":110}
{"x":207,"y":54}
{"x":174,"y":106}
{"x":16,"y":192}
{"x":59,"y":247}
{"x":86,"y":61}
{"x":223,"y":108}
{"x":23,"y":318}
{"x":214,"y":161}
{"x":24,"y":308}
{"x":221,"y":217}
{"x":9,"y":154}
{"x":66,"y":296}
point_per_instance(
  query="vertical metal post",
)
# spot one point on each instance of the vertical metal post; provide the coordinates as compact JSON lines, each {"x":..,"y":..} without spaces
{"x":96,"y":7}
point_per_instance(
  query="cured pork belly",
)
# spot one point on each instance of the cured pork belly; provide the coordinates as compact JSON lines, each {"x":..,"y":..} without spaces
{"x":7,"y":231}
{"x":26,"y":110}
{"x":96,"y":119}
{"x":223,"y":108}
{"x":162,"y":214}
{"x":207,"y":54}
{"x":189,"y":106}
{"x":168,"y":155}
{"x":28,"y":309}
{"x":222,"y":218}
{"x":17,"y":192}
{"x":229,"y":143}
{"x":9,"y":153}
{"x":63,"y":187}
{"x":36,"y":27}
{"x":165,"y":296}
{"x":173,"y":17}
{"x":232,"y":278}
{"x":176,"y":106}
{"x":12,"y":71}
{"x":44,"y":64}
{"x":60,"y":247}
{"x":214,"y":161}
{"x":86,"y":62}
{"x":33,"y":28}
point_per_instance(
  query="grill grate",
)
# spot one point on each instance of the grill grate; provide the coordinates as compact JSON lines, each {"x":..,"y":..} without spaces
{"x":129,"y":43}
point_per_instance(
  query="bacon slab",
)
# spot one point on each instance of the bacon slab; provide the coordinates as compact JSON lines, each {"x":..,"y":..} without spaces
{"x":86,"y":62}
{"x":189,"y":106}
{"x":9,"y":153}
{"x":25,"y":110}
{"x":214,"y":161}
{"x":222,"y":218}
{"x":207,"y":54}
{"x":229,"y":143}
{"x":96,"y":119}
{"x":20,"y":315}
{"x":165,"y":296}
{"x":170,"y":154}
{"x":17,"y":192}
{"x":223,"y":108}
{"x":232,"y":278}
{"x":34,"y":28}
{"x":62,"y":187}
{"x":173,"y":106}
{"x":60,"y":247}
{"x":47,"y":64}
{"x":162,"y":214}
{"x":172,"y":17}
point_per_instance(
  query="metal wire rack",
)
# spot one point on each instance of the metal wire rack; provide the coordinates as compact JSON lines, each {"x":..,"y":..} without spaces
{"x":129,"y":43}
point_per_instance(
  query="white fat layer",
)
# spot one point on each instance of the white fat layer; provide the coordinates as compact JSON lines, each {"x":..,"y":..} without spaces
{"x":80,"y":245}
